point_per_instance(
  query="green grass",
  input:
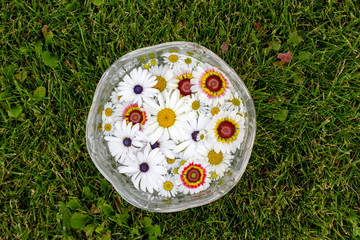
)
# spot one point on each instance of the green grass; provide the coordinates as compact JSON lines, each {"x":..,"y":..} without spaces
{"x":302,"y":180}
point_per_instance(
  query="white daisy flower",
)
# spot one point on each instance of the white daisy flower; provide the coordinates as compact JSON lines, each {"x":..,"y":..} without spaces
{"x":235,"y":104}
{"x":213,"y":110}
{"x":172,"y":58}
{"x":219,"y":162}
{"x":127,"y":139}
{"x":211,"y":84}
{"x":169,"y":117}
{"x":183,"y":78}
{"x":150,"y":64}
{"x":164,"y":77}
{"x":166,"y":146}
{"x":194,"y":176}
{"x":145,"y":169}
{"x":131,"y":113}
{"x":214,"y":176}
{"x":108,"y":112}
{"x":173,"y":164}
{"x":168,"y":186}
{"x":108,"y":126}
{"x":195,"y":136}
{"x":196,"y":105}
{"x":116,"y":96}
{"x":188,"y":62}
{"x":227,"y":131}
{"x":138,"y":86}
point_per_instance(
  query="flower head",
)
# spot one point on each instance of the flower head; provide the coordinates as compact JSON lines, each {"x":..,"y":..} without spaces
{"x":183,"y":78}
{"x":172,"y":58}
{"x":193,"y":177}
{"x":127,"y":139}
{"x":108,"y":113}
{"x":236,"y":103}
{"x":132,"y":113}
{"x":164,"y":77}
{"x":196,"y":105}
{"x":145,"y":169}
{"x":138,"y":86}
{"x":168,"y":187}
{"x":211,"y":84}
{"x":169,"y":117}
{"x":226,"y":129}
{"x":218,"y":162}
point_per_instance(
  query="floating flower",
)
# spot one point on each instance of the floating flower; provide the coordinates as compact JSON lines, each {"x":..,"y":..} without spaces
{"x":193,"y":177}
{"x":219,"y":162}
{"x":108,"y":126}
{"x":169,"y":117}
{"x":165,"y":145}
{"x":132,"y":113}
{"x":195,"y":136}
{"x":127,"y":139}
{"x":196,"y":105}
{"x":164,"y":77}
{"x":168,"y":187}
{"x":116,"y":96}
{"x":138,"y":86}
{"x":172,"y":58}
{"x":235,"y":104}
{"x":183,"y":78}
{"x":211,"y":84}
{"x":145,"y":169}
{"x":188,"y":62}
{"x":226,"y":129}
{"x":108,"y":112}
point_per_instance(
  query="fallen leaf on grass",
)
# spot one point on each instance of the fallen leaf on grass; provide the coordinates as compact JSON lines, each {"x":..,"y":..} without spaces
{"x":224,"y":47}
{"x":258,"y":26}
{"x":285,"y":57}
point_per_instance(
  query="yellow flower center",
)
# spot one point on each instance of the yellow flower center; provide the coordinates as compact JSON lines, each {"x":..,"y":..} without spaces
{"x":188,"y":60}
{"x":214,"y":175}
{"x":170,"y":161}
{"x":107,"y":127}
{"x":195,"y":105}
{"x":153,"y":62}
{"x":176,"y":171}
{"x":202,"y":136}
{"x":119,"y":98}
{"x":173,"y":58}
{"x":152,"y":55}
{"x":173,"y":50}
{"x":108,"y":112}
{"x":182,"y":162}
{"x":161,"y":83}
{"x":215,"y":158}
{"x":166,"y":117}
{"x":235,"y":102}
{"x":215,"y":111}
{"x":168,"y":185}
{"x":190,"y":53}
{"x":146,"y":66}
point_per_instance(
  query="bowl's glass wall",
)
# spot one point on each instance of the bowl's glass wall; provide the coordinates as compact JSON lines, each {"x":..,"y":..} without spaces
{"x":101,"y":157}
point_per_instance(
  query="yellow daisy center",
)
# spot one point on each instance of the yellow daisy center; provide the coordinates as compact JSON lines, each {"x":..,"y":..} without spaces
{"x":119,"y":98}
{"x":152,"y":55}
{"x":108,"y":112}
{"x":146,"y":66}
{"x":182,"y":162}
{"x":153,"y":62}
{"x":161,"y":83}
{"x":214,"y":175}
{"x":235,"y":102}
{"x":170,"y":161}
{"x":173,"y":50}
{"x":107,"y":127}
{"x":176,"y":171}
{"x":188,"y":60}
{"x":168,"y":185}
{"x":215,"y":158}
{"x":195,"y":105}
{"x":173,"y":58}
{"x":215,"y":111}
{"x":166,"y":117}
{"x":202,"y":136}
{"x":190,"y":53}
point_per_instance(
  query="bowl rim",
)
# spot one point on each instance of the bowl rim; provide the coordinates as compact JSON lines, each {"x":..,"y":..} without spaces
{"x":251,"y":135}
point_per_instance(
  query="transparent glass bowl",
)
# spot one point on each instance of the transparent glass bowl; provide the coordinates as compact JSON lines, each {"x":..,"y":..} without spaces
{"x":102,"y":159}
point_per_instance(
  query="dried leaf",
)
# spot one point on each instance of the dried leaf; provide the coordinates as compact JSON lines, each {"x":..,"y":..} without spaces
{"x":224,"y":47}
{"x":285,"y":57}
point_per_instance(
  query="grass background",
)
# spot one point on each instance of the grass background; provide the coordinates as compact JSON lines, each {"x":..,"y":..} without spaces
{"x":302,"y":180}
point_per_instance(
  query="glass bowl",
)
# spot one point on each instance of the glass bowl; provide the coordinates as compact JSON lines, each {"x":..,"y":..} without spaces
{"x":100,"y":155}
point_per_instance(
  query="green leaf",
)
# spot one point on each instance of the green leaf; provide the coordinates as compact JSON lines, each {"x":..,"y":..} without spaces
{"x":146,"y":222}
{"x":5,"y":95}
{"x":65,"y":214}
{"x":106,"y":236}
{"x":21,"y":76}
{"x":303,"y":56}
{"x":298,"y":79}
{"x":100,"y":228}
{"x":89,"y":229}
{"x":73,"y":204}
{"x":122,"y":218}
{"x":78,"y":220}
{"x":294,"y":39}
{"x":40,"y":92}
{"x":275,"y":45}
{"x":108,"y":210}
{"x":38,"y":48}
{"x":87,"y":192}
{"x":72,"y":6}
{"x":222,"y":32}
{"x":15,"y":111}
{"x":49,"y":59}
{"x":153,"y":230}
{"x":281,"y":115}
{"x":49,"y":38}
{"x":134,"y":231}
{"x":98,"y":2}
